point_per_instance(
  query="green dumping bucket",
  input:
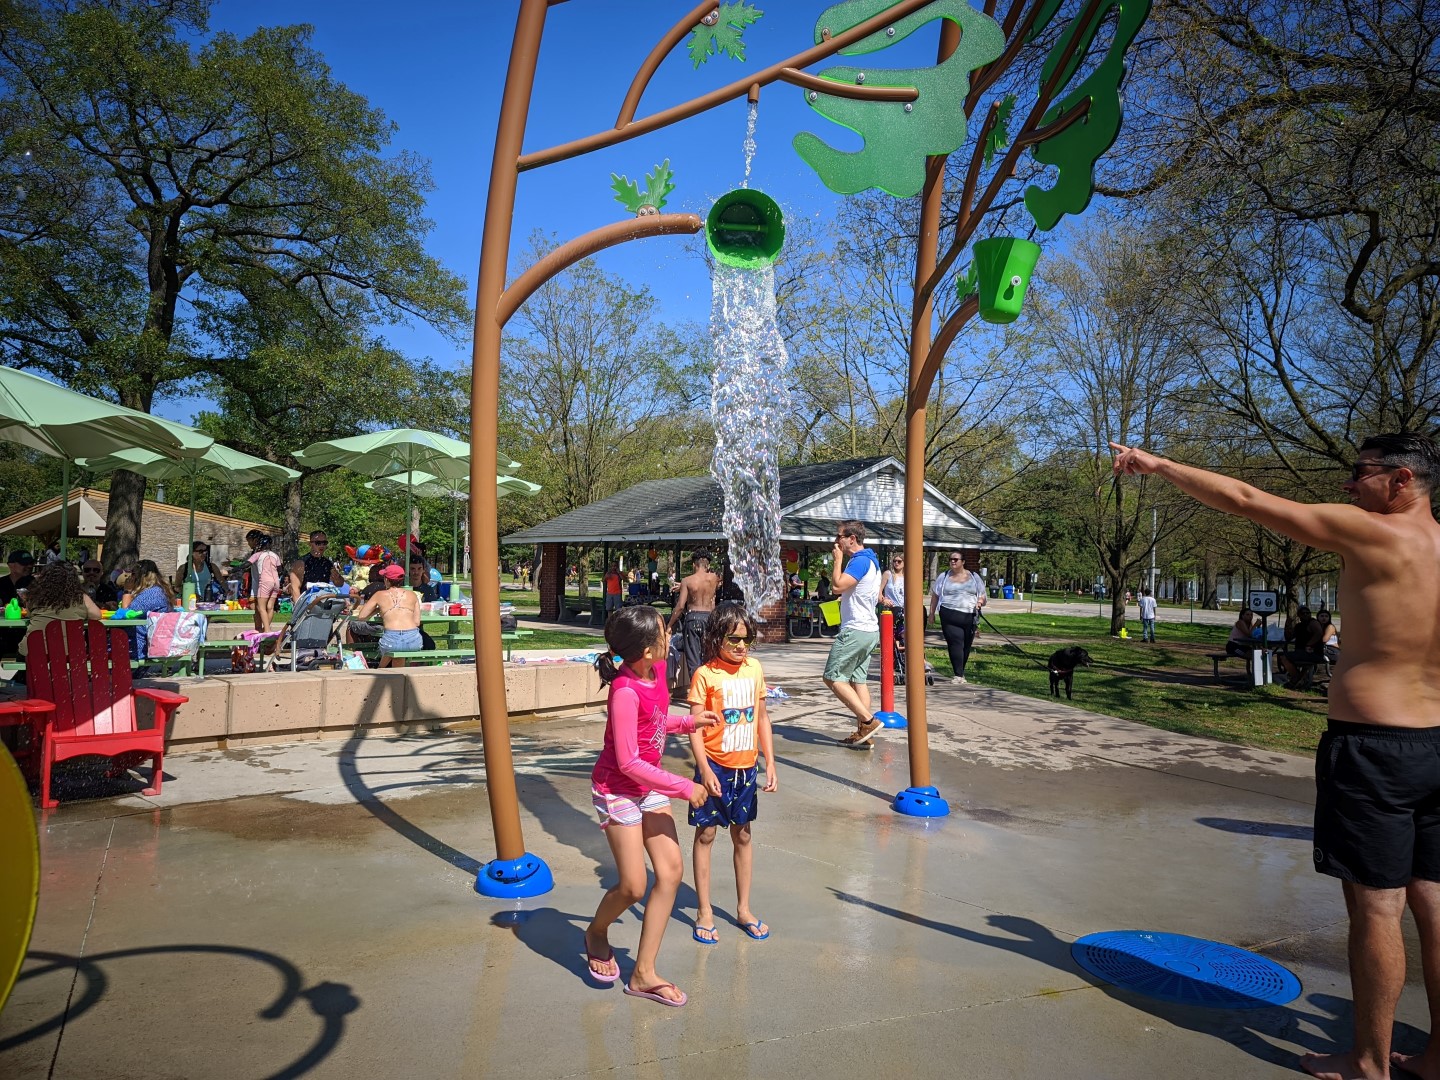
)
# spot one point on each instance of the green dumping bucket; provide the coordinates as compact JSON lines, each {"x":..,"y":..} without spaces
{"x":745,"y":228}
{"x":1003,"y":265}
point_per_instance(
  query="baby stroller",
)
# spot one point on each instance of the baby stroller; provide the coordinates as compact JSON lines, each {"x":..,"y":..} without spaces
{"x":900,"y":654}
{"x":311,"y":638}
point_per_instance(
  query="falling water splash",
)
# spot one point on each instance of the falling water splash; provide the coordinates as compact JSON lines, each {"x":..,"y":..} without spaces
{"x":750,"y":142}
{"x":749,"y":401}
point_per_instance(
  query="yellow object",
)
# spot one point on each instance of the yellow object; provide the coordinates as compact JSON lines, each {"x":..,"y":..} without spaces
{"x":830,"y":612}
{"x":20,"y":883}
{"x":1124,"y":633}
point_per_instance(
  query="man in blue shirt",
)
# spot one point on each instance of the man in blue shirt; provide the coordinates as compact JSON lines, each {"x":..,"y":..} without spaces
{"x":855,"y":577}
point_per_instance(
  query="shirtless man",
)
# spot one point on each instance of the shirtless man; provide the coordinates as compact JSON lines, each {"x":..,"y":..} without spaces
{"x":400,"y":612}
{"x":692,"y":611}
{"x":1377,"y":771}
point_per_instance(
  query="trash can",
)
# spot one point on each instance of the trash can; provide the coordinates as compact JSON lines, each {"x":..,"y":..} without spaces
{"x":1009,"y":592}
{"x":994,"y":593}
{"x":444,"y":590}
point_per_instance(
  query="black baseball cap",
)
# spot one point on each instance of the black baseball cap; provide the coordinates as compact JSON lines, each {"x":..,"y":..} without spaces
{"x":23,"y":557}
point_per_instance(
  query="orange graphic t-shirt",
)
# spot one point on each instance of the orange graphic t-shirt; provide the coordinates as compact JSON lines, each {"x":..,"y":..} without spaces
{"x":733,"y":691}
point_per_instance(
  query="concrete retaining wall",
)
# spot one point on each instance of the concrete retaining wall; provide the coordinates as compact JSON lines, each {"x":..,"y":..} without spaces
{"x":233,"y":710}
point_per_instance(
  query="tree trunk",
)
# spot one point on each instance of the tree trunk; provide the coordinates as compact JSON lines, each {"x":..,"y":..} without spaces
{"x":537,"y":560}
{"x":1117,"y":606}
{"x":582,"y":572}
{"x":1209,"y":582}
{"x":290,"y":539}
{"x":122,"y":519}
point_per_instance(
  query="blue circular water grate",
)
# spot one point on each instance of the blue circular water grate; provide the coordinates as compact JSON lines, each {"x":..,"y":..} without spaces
{"x":1185,"y":970}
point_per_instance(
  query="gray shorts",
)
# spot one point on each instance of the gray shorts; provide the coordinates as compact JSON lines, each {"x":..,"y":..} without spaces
{"x":393,"y":641}
{"x":850,"y":655}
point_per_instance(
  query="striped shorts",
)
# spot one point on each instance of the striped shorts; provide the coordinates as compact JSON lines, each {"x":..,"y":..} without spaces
{"x":623,"y":810}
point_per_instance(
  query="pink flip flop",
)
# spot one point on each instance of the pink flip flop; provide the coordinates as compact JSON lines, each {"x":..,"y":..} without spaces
{"x":600,"y":976}
{"x":650,"y":993}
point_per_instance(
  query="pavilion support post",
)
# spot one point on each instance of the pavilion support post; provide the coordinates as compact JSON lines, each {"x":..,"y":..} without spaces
{"x":514,"y":871}
{"x":921,"y":798}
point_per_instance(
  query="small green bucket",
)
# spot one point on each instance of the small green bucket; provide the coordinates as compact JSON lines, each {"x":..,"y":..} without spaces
{"x":745,"y":229}
{"x":830,"y":612}
{"x":1004,"y":265}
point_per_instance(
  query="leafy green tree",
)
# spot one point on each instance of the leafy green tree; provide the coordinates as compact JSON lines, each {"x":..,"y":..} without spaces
{"x":162,"y":186}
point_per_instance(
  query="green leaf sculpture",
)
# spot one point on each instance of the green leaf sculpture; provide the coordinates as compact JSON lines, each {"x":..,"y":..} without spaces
{"x":999,"y":136}
{"x":898,"y":136}
{"x":651,"y":200}
{"x":1075,"y":149}
{"x":723,"y":34}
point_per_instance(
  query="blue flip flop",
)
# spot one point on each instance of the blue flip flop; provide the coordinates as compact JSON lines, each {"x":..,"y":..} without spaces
{"x":695,"y":933}
{"x":750,"y":928}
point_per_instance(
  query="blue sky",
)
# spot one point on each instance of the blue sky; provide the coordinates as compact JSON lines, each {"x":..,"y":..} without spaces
{"x":437,"y":67}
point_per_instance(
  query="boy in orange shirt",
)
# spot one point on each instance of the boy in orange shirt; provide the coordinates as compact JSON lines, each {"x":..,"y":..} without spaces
{"x":732,"y":684}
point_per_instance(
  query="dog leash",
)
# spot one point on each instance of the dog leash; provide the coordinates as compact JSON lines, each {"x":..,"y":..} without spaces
{"x":1022,"y":652}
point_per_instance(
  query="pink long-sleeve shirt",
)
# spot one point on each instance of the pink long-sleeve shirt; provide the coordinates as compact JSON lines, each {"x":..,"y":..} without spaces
{"x":639,"y":719}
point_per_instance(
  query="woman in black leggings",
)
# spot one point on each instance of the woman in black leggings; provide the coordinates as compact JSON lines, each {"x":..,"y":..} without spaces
{"x":958,"y":595}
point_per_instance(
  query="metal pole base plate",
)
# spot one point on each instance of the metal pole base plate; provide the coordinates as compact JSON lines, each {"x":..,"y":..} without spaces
{"x":506,"y":878}
{"x":921,"y":802}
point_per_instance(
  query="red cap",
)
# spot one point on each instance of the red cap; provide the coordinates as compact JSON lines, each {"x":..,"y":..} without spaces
{"x":394,"y":572}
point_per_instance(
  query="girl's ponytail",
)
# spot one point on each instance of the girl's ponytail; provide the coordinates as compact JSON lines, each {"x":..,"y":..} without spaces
{"x":628,"y":633}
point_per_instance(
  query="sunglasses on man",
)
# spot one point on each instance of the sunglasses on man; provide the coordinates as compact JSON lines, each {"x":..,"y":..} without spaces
{"x":1378,"y":465}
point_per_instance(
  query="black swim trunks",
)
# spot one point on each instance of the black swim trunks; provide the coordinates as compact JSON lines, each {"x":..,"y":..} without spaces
{"x":1377,"y":804}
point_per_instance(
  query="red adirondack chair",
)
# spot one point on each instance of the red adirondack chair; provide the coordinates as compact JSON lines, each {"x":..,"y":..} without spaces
{"x":84,"y":668}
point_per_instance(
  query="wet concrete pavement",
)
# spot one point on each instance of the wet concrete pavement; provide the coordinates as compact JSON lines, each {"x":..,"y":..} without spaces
{"x":307,"y":910}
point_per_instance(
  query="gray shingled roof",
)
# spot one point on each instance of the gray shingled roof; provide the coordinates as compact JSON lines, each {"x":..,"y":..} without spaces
{"x":689,"y":508}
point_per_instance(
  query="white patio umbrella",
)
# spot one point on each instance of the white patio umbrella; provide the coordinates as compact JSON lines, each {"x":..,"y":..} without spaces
{"x":45,"y":416}
{"x":398,"y":451}
{"x":428,"y":486}
{"x":218,"y":461}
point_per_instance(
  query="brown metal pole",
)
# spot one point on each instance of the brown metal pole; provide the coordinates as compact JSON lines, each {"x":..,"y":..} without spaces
{"x":484,"y":430}
{"x":926,"y":253}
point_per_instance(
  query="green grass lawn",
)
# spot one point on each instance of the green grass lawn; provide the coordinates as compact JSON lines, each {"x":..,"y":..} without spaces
{"x":1167,"y":685}
{"x":559,"y":639}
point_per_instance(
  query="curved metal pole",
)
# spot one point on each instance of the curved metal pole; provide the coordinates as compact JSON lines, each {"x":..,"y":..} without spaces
{"x":926,"y":253}
{"x":572,"y":251}
{"x":484,"y":431}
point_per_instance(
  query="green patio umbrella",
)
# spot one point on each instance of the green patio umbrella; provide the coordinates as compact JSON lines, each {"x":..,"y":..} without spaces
{"x":428,"y":486}
{"x":399,"y":450}
{"x":218,"y":461}
{"x":44,"y":416}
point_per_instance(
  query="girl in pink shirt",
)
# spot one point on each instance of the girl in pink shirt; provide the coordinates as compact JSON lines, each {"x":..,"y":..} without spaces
{"x":632,"y":796}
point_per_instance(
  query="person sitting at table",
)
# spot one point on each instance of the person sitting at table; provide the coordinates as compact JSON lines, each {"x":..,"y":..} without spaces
{"x":10,"y":586}
{"x":1329,"y":637}
{"x":362,"y":629}
{"x":420,"y":580}
{"x":399,"y":612}
{"x":97,"y":586}
{"x":149,"y":592}
{"x":56,"y":596}
{"x":1305,"y":646}
{"x":1242,"y":635}
{"x":314,"y":569}
{"x":825,"y":591}
{"x":201,"y":573}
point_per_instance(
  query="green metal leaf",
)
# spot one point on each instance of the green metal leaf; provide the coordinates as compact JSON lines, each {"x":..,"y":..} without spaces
{"x":725,"y":36}
{"x":1075,"y":150}
{"x":658,"y":185}
{"x":898,"y":136}
{"x":999,"y":136}
{"x":627,"y":193}
{"x":967,"y":285}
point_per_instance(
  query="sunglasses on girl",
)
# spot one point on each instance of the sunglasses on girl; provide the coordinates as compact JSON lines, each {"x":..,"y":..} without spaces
{"x":736,"y":639}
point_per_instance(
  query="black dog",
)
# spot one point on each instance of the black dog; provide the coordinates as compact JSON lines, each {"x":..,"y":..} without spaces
{"x":1063,"y":663}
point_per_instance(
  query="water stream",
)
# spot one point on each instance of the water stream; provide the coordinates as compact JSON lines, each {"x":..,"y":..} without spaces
{"x":749,"y":401}
{"x":750,"y":141}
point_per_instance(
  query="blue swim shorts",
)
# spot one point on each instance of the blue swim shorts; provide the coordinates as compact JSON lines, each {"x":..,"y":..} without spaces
{"x":737,"y":803}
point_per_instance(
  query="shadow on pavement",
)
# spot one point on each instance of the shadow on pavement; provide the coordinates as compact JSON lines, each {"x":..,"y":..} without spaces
{"x":331,"y":1002}
{"x":1259,"y":828}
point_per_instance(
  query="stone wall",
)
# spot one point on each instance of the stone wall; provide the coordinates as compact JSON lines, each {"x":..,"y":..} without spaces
{"x":233,"y":710}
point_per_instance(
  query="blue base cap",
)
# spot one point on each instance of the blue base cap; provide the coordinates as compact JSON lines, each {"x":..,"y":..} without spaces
{"x":891,"y":720}
{"x":506,"y":878}
{"x":921,"y":802}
